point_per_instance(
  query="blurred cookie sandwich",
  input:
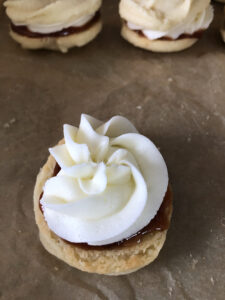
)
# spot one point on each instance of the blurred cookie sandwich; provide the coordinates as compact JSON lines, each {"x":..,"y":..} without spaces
{"x":164,"y":26}
{"x":223,"y":27}
{"x":54,"y":24}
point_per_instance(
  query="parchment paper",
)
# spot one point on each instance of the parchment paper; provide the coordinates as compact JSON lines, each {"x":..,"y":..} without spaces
{"x":177,"y":100}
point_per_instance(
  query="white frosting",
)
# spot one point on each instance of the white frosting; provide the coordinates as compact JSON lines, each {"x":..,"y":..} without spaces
{"x":49,"y":12}
{"x":40,"y":28}
{"x":111,"y":184}
{"x":160,"y":15}
{"x":192,"y":24}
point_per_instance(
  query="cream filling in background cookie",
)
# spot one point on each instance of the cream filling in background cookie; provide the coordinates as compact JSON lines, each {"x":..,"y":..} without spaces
{"x":111,"y":184}
{"x":44,"y":13}
{"x":190,"y":26}
{"x":161,"y":15}
{"x":58,"y":27}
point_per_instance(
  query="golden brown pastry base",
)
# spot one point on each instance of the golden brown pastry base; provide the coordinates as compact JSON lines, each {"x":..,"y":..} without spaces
{"x":118,"y":261}
{"x":156,"y":45}
{"x":59,"y":43}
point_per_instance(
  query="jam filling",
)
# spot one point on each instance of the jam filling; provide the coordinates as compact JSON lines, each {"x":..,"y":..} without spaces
{"x":160,"y":222}
{"x":24,"y":30}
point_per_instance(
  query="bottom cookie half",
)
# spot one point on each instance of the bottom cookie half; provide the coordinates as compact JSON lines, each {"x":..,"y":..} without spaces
{"x":156,"y":45}
{"x":58,"y":43}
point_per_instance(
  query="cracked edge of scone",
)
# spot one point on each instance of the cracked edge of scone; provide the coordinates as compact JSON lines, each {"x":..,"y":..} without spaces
{"x":62,"y":44}
{"x":162,"y":46}
{"x":119,"y":261}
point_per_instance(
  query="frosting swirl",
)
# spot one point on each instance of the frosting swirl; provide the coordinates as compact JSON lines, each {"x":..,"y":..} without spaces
{"x":111,"y":184}
{"x":48,"y":15}
{"x":161,"y":15}
{"x":192,"y":24}
{"x":58,"y":27}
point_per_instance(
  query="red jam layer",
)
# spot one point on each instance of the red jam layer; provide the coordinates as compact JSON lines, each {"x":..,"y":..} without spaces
{"x":160,"y":222}
{"x":24,"y":31}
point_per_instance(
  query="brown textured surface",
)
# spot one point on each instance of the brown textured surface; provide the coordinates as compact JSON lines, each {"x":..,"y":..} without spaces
{"x":175,"y":99}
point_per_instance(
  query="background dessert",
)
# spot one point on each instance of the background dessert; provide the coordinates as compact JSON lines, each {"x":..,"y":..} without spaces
{"x":160,"y":27}
{"x":223,"y":27}
{"x":55,"y":25}
{"x":175,"y":99}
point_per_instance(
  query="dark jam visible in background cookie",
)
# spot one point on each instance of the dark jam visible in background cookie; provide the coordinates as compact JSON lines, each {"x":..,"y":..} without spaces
{"x":24,"y":31}
{"x":160,"y":222}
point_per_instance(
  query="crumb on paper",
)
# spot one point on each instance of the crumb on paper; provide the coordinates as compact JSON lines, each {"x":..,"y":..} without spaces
{"x":171,"y":282}
{"x":212,"y":280}
{"x":6,"y":125}
{"x":223,"y":221}
{"x":139,"y":107}
{"x":220,"y":238}
{"x":170,"y":291}
{"x":194,"y":263}
{"x":13,"y":120}
{"x":140,"y":283}
{"x":9,"y":123}
{"x":182,"y":106}
{"x":170,"y":79}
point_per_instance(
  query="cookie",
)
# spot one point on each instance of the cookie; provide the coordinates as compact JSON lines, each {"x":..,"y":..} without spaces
{"x":56,"y":25}
{"x":103,"y":250}
{"x":223,"y":27}
{"x":139,"y":40}
{"x":154,"y":26}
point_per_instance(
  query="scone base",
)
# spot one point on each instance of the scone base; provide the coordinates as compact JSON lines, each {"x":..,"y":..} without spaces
{"x":62,"y":44}
{"x":156,"y":45}
{"x":118,"y":261}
